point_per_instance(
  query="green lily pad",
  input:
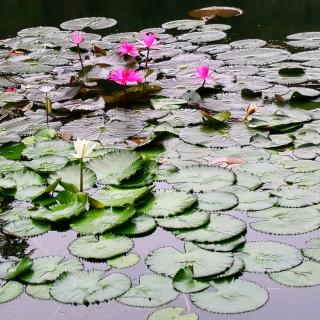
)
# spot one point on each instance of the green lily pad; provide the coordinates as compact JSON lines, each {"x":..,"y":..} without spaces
{"x":165,"y":204}
{"x":313,"y":249}
{"x":269,"y":256}
{"x":125,"y":261}
{"x":26,"y":228}
{"x":184,"y":282}
{"x":217,"y":201}
{"x":168,"y":261}
{"x":201,"y":178}
{"x":116,"y":197}
{"x":172,"y":313}
{"x":89,"y":287}
{"x":10,"y":270}
{"x":285,"y":221}
{"x":95,"y":23}
{"x":138,"y":225}
{"x":221,"y":227}
{"x":10,"y":291}
{"x":39,"y":291}
{"x":49,"y":268}
{"x":105,"y":247}
{"x":307,"y":274}
{"x":152,"y":291}
{"x":98,"y":221}
{"x":231,"y":297}
{"x":116,"y":166}
{"x":187,"y":220}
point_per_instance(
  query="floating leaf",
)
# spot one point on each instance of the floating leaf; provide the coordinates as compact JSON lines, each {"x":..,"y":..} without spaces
{"x":89,"y":286}
{"x":269,"y":256}
{"x":26,"y":228}
{"x":152,"y":291}
{"x":211,"y":12}
{"x":138,"y":225}
{"x":224,"y":246}
{"x":221,"y":227}
{"x":230,"y":297}
{"x":116,"y":166}
{"x":165,"y":204}
{"x":10,"y":270}
{"x":286,"y":221}
{"x":313,"y":249}
{"x":168,"y":261}
{"x":95,"y":23}
{"x":100,"y":220}
{"x":71,"y":174}
{"x":49,"y":268}
{"x":10,"y":291}
{"x":125,"y":261}
{"x":116,"y":197}
{"x":39,"y":291}
{"x":187,"y":220}
{"x":183,"y":281}
{"x":172,"y":313}
{"x":201,"y":178}
{"x":104,"y":247}
{"x":217,"y":201}
{"x":307,"y":274}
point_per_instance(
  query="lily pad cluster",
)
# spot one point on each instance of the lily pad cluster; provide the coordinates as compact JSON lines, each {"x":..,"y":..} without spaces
{"x":184,"y":157}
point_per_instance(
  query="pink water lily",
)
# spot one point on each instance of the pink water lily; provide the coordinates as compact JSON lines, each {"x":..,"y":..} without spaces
{"x":123,"y":76}
{"x":10,"y":90}
{"x":149,"y":39}
{"x":77,"y":37}
{"x":203,"y":72}
{"x":128,"y":49}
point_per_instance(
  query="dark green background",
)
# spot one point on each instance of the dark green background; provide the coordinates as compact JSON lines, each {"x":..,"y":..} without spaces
{"x":268,"y":19}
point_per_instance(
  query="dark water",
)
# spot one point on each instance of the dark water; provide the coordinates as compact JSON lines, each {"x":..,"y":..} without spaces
{"x":268,"y":19}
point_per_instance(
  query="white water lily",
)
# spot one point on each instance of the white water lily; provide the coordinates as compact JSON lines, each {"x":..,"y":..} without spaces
{"x":83,"y":148}
{"x":47,"y":88}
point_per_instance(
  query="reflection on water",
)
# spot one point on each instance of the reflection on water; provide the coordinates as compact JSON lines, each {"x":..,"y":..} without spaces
{"x":271,"y":19}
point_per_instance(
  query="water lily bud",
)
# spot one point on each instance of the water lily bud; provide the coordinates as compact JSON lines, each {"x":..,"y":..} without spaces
{"x":252,"y":108}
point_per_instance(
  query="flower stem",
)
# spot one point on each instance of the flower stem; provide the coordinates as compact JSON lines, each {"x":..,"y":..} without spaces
{"x":125,"y":98}
{"x":81,"y":174}
{"x":204,"y":82}
{"x":147,"y":59}
{"x":80,"y":58}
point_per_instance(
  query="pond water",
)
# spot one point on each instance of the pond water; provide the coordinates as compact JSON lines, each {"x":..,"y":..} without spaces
{"x":271,"y":21}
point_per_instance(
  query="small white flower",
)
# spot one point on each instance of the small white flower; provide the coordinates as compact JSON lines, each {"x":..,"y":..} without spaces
{"x":83,"y":148}
{"x":47,"y":88}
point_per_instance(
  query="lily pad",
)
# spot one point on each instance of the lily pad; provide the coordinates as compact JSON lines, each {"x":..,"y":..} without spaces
{"x":231,"y":297}
{"x":125,"y":261}
{"x":105,"y":247}
{"x":221,"y":227}
{"x":168,"y":261}
{"x":165,"y":204}
{"x":26,"y":228}
{"x":307,"y":274}
{"x":269,"y":256}
{"x":98,"y":221}
{"x":10,"y":291}
{"x":152,"y":291}
{"x":85,"y":287}
{"x":49,"y":268}
{"x":172,"y":313}
{"x":95,"y":23}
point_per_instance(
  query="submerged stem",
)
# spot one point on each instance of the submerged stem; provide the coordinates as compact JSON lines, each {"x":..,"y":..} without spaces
{"x":124,"y":95}
{"x":148,"y":52}
{"x":80,"y":58}
{"x":81,"y":174}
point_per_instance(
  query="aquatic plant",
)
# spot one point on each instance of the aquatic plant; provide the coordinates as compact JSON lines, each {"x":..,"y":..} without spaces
{"x":78,"y":38}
